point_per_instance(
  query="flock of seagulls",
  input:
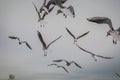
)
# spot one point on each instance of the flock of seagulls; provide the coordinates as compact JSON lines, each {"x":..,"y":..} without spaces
{"x":46,"y":8}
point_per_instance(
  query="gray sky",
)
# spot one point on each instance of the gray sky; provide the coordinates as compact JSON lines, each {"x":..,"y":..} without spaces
{"x":19,"y":18}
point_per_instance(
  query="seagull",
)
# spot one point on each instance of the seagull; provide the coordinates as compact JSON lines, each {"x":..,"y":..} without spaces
{"x":67,"y":62}
{"x":92,"y":54}
{"x":20,"y":42}
{"x":117,"y":74}
{"x":76,"y":38}
{"x":67,"y":11}
{"x":45,"y":47}
{"x":112,"y":32}
{"x":45,"y":13}
{"x":59,"y":67}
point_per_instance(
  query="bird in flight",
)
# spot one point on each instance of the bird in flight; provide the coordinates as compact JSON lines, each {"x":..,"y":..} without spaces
{"x":76,"y":38}
{"x":42,"y":9}
{"x":45,"y":47}
{"x":58,"y":66}
{"x":67,"y":62}
{"x":20,"y":42}
{"x":67,"y":11}
{"x":92,"y":54}
{"x":105,"y":20}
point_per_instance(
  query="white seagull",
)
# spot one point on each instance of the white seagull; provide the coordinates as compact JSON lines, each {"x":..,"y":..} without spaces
{"x":76,"y":38}
{"x":115,"y":33}
{"x":45,"y":47}
{"x":92,"y":54}
{"x":20,"y":42}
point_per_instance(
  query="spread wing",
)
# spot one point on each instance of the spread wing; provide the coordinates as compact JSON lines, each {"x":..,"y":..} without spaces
{"x":70,"y":32}
{"x":28,"y":46}
{"x":64,"y":69}
{"x":41,"y":39}
{"x":52,"y":64}
{"x":83,"y":35}
{"x":13,"y":37}
{"x":37,"y":12}
{"x":71,"y":10}
{"x":51,"y":8}
{"x":77,"y":64}
{"x":58,"y":60}
{"x":101,"y":20}
{"x":93,"y":55}
{"x":104,"y":57}
{"x":53,"y":41}
{"x":84,"y":50}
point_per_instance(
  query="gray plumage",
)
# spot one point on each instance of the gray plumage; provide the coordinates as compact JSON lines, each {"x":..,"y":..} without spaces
{"x":76,"y":38}
{"x":101,"y":20}
{"x":20,"y":42}
{"x":58,"y":66}
{"x":45,"y":47}
{"x":67,"y":62}
{"x":92,"y":54}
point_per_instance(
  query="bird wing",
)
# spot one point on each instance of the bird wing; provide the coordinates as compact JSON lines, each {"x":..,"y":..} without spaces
{"x":37,"y":12}
{"x":70,"y":32}
{"x":83,"y":35}
{"x":28,"y":46}
{"x":44,"y":2}
{"x":85,"y":50}
{"x":93,"y":55}
{"x":53,"y":41}
{"x":77,"y":64}
{"x":60,"y":60}
{"x":51,"y":8}
{"x":64,"y":69}
{"x":41,"y":39}
{"x":101,"y":20}
{"x":52,"y":64}
{"x":71,"y":10}
{"x":13,"y":37}
{"x":104,"y":57}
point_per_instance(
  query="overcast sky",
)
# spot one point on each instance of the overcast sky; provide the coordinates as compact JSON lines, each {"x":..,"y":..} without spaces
{"x":19,"y":18}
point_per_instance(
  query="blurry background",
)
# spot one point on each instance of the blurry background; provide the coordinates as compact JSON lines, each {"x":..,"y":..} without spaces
{"x":19,"y":18}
